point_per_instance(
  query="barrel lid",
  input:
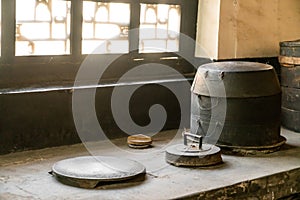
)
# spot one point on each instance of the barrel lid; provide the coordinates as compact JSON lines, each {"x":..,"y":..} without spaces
{"x":239,"y":79}
{"x":236,"y":66}
{"x":294,"y":43}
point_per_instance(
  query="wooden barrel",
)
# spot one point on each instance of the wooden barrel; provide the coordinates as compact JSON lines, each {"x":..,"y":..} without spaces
{"x":290,"y":81}
{"x":290,"y":76}
{"x":291,"y":119}
{"x":291,"y":98}
{"x":290,"y":52}
{"x":253,"y":104}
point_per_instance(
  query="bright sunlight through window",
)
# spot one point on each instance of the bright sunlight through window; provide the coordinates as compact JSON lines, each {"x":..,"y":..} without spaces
{"x":42,"y":27}
{"x":105,"y":27}
{"x":159,"y":28}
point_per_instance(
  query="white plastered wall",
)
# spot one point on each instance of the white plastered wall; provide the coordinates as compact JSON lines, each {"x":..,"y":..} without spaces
{"x":246,"y":28}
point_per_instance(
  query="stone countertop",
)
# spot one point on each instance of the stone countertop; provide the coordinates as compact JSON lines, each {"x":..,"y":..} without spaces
{"x":24,"y":175}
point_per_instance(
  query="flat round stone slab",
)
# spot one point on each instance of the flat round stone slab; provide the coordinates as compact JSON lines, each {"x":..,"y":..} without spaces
{"x":181,"y":155}
{"x":88,"y":171}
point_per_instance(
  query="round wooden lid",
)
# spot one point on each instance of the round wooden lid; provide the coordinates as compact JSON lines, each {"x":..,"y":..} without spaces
{"x":139,"y":140}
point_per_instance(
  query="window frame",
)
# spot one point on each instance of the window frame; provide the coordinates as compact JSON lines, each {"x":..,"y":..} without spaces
{"x":10,"y":60}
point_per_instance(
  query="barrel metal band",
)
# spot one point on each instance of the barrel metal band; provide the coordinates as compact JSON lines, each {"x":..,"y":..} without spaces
{"x":289,"y":61}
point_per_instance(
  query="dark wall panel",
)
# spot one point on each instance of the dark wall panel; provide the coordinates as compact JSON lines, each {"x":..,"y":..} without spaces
{"x":44,"y":119}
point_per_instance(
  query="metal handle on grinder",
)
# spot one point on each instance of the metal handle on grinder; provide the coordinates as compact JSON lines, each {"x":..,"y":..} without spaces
{"x":185,"y":134}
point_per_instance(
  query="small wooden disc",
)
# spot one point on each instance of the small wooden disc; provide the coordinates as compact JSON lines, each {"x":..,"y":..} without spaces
{"x":139,"y":140}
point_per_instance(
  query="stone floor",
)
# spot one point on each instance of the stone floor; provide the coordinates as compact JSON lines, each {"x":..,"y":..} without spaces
{"x":24,"y":175}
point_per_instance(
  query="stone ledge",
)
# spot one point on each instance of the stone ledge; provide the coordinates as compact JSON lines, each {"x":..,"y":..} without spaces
{"x":274,"y":186}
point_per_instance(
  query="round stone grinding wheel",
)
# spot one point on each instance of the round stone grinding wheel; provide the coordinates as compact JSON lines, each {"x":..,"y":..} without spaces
{"x":194,"y":154}
{"x":89,"y":171}
{"x":181,"y":155}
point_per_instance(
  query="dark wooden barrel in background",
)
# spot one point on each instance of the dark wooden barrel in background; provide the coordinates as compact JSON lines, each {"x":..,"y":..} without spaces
{"x":290,"y":83}
{"x":253,"y":104}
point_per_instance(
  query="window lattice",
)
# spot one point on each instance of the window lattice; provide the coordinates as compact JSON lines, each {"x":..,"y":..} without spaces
{"x":159,"y":28}
{"x":42,"y":27}
{"x":105,"y":27}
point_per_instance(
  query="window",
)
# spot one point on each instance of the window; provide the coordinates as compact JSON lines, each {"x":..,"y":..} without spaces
{"x":49,"y":39}
{"x":42,"y":27}
{"x":159,"y":28}
{"x":0,"y":26}
{"x":104,"y":29}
